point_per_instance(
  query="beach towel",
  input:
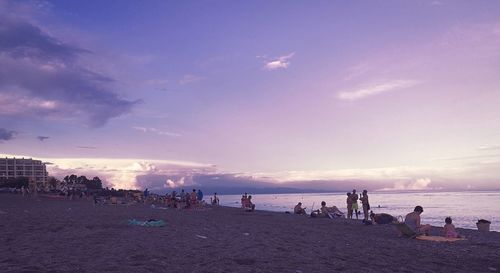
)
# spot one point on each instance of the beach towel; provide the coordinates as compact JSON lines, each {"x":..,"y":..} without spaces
{"x":439,"y":239}
{"x":149,"y":223}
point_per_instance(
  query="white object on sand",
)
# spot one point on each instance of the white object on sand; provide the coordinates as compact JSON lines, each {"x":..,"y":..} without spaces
{"x":201,"y":236}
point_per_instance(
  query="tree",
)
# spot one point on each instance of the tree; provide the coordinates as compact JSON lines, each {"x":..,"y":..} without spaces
{"x":73,"y":179}
{"x":82,"y":180}
{"x":53,"y":182}
{"x":94,"y":184}
{"x":17,"y":182}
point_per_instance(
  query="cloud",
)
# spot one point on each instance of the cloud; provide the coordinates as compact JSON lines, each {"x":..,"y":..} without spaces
{"x":375,"y":89}
{"x":129,"y":173}
{"x":86,"y":147}
{"x":280,"y":63}
{"x":489,"y":147}
{"x":7,"y":134}
{"x":42,"y":76}
{"x":190,"y":78}
{"x":156,"y":131}
{"x":42,"y":138}
{"x":415,"y":185}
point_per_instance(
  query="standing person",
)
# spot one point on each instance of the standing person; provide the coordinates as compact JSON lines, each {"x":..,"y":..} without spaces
{"x":193,"y":196}
{"x":200,"y":195}
{"x":243,"y":200}
{"x":366,"y":204}
{"x":349,"y":206}
{"x":215,"y":200}
{"x":355,"y":197}
{"x":412,"y":220}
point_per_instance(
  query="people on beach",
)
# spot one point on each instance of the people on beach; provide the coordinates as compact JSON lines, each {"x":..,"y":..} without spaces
{"x":214,"y":200}
{"x":193,"y":197}
{"x":412,"y":220}
{"x":298,"y":209}
{"x":244,"y":200}
{"x":354,"y":199}
{"x":382,"y":218}
{"x":449,"y":229}
{"x":327,"y":212}
{"x":349,"y":205}
{"x":199,"y":195}
{"x":249,"y":205}
{"x":366,"y":204}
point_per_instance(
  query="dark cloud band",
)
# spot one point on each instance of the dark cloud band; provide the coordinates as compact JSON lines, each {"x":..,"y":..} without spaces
{"x":44,"y":73}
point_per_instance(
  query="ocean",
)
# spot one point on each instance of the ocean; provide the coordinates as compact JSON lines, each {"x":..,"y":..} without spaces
{"x":465,"y":208}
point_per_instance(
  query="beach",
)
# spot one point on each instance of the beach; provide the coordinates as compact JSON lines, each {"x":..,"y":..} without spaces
{"x":52,"y":234}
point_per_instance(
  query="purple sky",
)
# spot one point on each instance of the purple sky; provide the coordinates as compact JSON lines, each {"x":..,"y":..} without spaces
{"x":390,"y":94}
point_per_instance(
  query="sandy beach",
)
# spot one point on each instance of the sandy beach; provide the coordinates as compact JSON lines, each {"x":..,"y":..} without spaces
{"x":47,"y":234}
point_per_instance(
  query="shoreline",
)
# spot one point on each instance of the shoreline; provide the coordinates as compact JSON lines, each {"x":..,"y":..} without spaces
{"x":48,"y":234}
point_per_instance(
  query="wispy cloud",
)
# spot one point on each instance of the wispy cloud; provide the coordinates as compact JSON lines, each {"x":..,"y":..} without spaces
{"x":190,"y":78}
{"x":489,"y":147}
{"x":279,"y":63}
{"x":375,"y":89}
{"x":7,"y":134}
{"x":42,"y":138}
{"x":156,"y":131}
{"x":86,"y":147}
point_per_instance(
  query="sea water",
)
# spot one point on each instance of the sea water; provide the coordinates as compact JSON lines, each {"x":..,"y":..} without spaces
{"x":465,"y":208}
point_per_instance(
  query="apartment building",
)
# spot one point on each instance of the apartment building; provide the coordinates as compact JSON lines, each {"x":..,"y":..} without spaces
{"x":22,"y":167}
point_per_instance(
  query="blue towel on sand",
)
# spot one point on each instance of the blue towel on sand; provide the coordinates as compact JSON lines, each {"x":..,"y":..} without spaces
{"x":150,"y":223}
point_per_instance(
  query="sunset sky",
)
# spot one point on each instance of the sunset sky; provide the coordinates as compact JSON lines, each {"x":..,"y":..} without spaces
{"x":310,"y":94}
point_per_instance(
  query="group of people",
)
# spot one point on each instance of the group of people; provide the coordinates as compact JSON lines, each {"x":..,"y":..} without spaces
{"x":352,"y":204}
{"x":323,"y":212}
{"x":246,"y":202}
{"x":412,"y":219}
{"x":184,"y":199}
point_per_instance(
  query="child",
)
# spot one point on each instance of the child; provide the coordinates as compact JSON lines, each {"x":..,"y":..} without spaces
{"x":449,"y":229}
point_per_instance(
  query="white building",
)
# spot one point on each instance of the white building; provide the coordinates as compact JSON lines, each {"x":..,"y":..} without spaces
{"x":35,"y":170}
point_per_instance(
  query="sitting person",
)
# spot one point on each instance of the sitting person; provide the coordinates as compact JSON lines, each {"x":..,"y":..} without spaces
{"x":327,"y":212}
{"x":248,"y":205}
{"x":449,"y":229}
{"x":298,"y":209}
{"x":382,"y":218}
{"x":412,"y":220}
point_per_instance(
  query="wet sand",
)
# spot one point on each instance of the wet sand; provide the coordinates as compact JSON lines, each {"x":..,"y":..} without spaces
{"x":46,"y":234}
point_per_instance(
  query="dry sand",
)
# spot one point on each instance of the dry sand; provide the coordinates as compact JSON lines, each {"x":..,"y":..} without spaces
{"x":55,"y":235}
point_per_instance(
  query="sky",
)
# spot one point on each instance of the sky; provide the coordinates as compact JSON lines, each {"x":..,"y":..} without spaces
{"x":325,"y":95}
